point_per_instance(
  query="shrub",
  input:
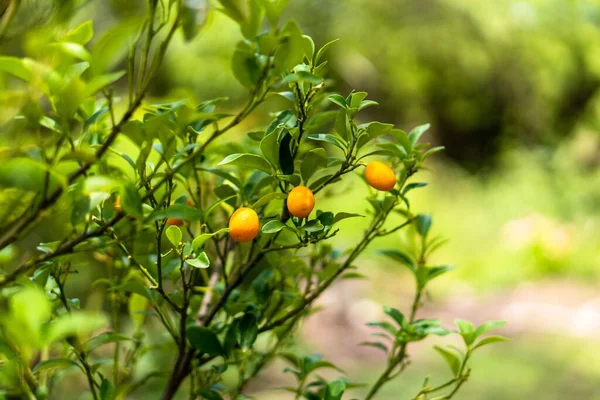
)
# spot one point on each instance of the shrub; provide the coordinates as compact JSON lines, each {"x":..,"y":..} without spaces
{"x":200,"y":246}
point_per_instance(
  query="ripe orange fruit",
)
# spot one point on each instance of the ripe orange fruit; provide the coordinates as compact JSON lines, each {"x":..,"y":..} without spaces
{"x":244,"y":225}
{"x":190,"y":202}
{"x":380,"y":176}
{"x":174,"y":221}
{"x":300,"y":202}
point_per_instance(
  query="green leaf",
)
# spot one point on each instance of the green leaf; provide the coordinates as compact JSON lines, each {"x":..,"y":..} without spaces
{"x":201,"y":261}
{"x":113,"y":45}
{"x":71,"y":49}
{"x":285,"y":119}
{"x":385,"y":326}
{"x":320,"y":119}
{"x":131,"y":200}
{"x":432,"y":151}
{"x":180,"y":211}
{"x":401,"y":257}
{"x":224,"y":175}
{"x":302,"y":76}
{"x":313,"y":226}
{"x":245,"y":65}
{"x":266,"y":199}
{"x":434,"y":272}
{"x":269,"y":147}
{"x":54,"y":363}
{"x":290,"y":51}
{"x":274,"y":8}
{"x":329,"y":138}
{"x":247,"y":331}
{"x":15,"y":67}
{"x":209,"y":394}
{"x":467,"y":331}
{"x":199,"y":241}
{"x":273,"y":226}
{"x":214,"y":206}
{"x":322,"y":51}
{"x":412,"y":186}
{"x":192,"y":18}
{"x":107,"y":390}
{"x":81,"y":323}
{"x":313,"y":161}
{"x":488,"y":326}
{"x":335,"y":389}
{"x":339,"y":100}
{"x":490,"y":340}
{"x":356,"y":98}
{"x":27,"y":174}
{"x":105,"y":338}
{"x":342,"y":125}
{"x":82,"y":33}
{"x":402,"y":139}
{"x":367,"y":103}
{"x":30,"y":309}
{"x":326,"y":218}
{"x":309,"y":47}
{"x":417,"y":132}
{"x":174,"y":235}
{"x":396,"y":315}
{"x":286,"y":159}
{"x":373,"y":131}
{"x":377,"y":345}
{"x":423,"y":224}
{"x":99,"y":82}
{"x":232,"y":9}
{"x":311,"y":364}
{"x":344,"y":215}
{"x":451,"y":359}
{"x":247,"y":160}
{"x":204,"y":340}
{"x":137,"y":306}
{"x":256,"y":15}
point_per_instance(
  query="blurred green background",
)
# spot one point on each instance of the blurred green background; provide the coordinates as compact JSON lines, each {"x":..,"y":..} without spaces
{"x":511,"y":89}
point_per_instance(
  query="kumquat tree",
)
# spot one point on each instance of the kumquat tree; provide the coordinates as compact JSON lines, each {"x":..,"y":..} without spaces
{"x":205,"y":253}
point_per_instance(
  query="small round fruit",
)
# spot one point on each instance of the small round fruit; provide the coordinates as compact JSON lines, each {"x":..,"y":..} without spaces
{"x":300,"y":202}
{"x":380,"y":176}
{"x":190,"y":202}
{"x":118,"y":204}
{"x":174,"y":221}
{"x":244,"y":225}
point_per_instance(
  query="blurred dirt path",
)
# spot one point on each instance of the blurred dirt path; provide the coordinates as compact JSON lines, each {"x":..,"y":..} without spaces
{"x":550,"y":307}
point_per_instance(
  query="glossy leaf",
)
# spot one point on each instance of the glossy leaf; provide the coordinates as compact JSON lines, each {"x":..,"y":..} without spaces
{"x":174,"y":235}
{"x":247,"y":331}
{"x":201,"y":261}
{"x":247,"y":160}
{"x":204,"y":340}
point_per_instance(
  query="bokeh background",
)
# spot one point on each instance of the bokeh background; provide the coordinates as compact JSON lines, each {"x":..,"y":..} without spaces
{"x":512,"y":89}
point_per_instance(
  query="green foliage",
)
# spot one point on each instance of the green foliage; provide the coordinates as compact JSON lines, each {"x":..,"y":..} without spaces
{"x":142,"y":195}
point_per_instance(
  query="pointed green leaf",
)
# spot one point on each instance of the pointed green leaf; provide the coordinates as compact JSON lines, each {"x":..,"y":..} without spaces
{"x":335,"y":389}
{"x":490,"y":340}
{"x":201,"y":261}
{"x":451,"y":359}
{"x":488,"y":326}
{"x":174,"y":235}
